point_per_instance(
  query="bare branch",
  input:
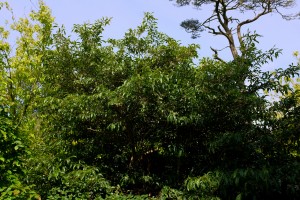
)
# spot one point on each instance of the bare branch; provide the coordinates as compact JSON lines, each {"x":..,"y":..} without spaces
{"x":213,"y":31}
{"x":223,"y":33}
{"x":216,"y":55}
{"x":288,"y":17}
{"x":227,"y":24}
{"x":218,"y":14}
{"x":224,"y":23}
{"x":266,"y":10}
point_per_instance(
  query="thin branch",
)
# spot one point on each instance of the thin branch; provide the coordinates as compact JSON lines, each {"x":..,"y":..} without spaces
{"x":248,"y":21}
{"x":288,"y":17}
{"x":210,"y":19}
{"x":223,"y":33}
{"x":93,"y":129}
{"x":216,"y":55}
{"x":213,"y":31}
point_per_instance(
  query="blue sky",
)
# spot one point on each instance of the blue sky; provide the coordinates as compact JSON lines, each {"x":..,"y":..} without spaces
{"x":128,"y":14}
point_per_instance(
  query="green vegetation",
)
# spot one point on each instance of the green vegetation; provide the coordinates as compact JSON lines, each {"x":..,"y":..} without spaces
{"x":136,"y":118}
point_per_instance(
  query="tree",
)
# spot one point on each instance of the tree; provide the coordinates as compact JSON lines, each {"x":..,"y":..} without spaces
{"x":12,"y":152}
{"x":223,"y":20}
{"x":20,"y":85}
{"x":22,"y":67}
{"x":126,"y":93}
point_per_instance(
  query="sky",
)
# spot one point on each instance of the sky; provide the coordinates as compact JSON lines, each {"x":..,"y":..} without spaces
{"x":129,"y":14}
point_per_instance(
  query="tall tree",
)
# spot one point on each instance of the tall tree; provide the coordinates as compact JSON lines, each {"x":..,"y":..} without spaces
{"x":21,"y":68}
{"x":224,"y":19}
{"x":20,"y":85}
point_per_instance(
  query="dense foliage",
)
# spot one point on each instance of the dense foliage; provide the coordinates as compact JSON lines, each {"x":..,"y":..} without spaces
{"x":137,"y":118}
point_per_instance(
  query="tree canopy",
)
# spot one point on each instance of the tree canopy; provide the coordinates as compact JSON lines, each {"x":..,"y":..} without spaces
{"x":85,"y":117}
{"x":225,"y":19}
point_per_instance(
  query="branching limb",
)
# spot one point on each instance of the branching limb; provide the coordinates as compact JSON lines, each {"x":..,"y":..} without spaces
{"x":213,"y":31}
{"x":216,"y":55}
{"x":288,"y":17}
{"x":267,"y":9}
{"x":224,"y":22}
